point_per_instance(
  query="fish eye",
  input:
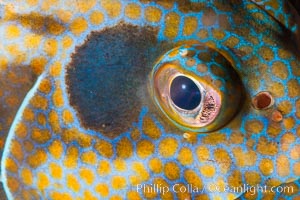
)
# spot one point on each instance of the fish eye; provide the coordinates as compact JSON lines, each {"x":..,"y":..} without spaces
{"x":184,"y":92}
{"x":196,"y":88}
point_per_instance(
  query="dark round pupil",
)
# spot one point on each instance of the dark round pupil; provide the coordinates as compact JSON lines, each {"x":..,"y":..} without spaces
{"x":185,"y":93}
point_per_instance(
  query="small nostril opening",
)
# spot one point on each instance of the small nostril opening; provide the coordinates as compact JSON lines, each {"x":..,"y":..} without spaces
{"x":262,"y":100}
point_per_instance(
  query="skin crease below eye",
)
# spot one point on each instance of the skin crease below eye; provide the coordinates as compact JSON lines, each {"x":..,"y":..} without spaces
{"x":78,"y":120}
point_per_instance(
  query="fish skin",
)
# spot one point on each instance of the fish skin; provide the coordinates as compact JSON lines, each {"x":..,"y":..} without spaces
{"x":50,"y":154}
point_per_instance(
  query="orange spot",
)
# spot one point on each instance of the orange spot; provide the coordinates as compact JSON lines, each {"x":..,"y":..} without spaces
{"x":192,"y":178}
{"x":289,"y":123}
{"x":55,"y":171}
{"x":64,"y":15}
{"x":42,"y":181}
{"x":88,"y":196}
{"x":11,"y":165}
{"x":182,"y":194}
{"x":12,"y":31}
{"x":55,"y":69}
{"x":40,"y":136}
{"x":89,"y":157}
{"x":27,"y":176}
{"x":3,"y":64}
{"x":254,"y":126}
{"x":67,"y":117}
{"x":243,"y":159}
{"x":168,"y":147}
{"x":185,"y":156}
{"x":74,"y":134}
{"x":58,"y":99}
{"x":153,"y":14}
{"x":287,"y":140}
{"x":56,"y":149}
{"x":266,"y":166}
{"x":87,"y":175}
{"x":67,"y":42}
{"x":56,"y":28}
{"x":237,"y":138}
{"x":207,"y":170}
{"x":54,"y":121}
{"x":293,"y":88}
{"x":73,"y":183}
{"x":283,"y":166}
{"x":32,"y":41}
{"x":78,"y":26}
{"x":223,"y":158}
{"x":190,"y":25}
{"x":133,"y":195}
{"x":96,"y":17}
{"x":45,"y":86}
{"x":296,"y":169}
{"x":102,"y":189}
{"x":38,"y":65}
{"x":135,"y":134}
{"x":13,"y":184}
{"x":150,"y":128}
{"x":32,"y":2}
{"x":171,"y":25}
{"x":14,"y":51}
{"x":133,"y":11}
{"x":144,"y":148}
{"x":172,"y":171}
{"x":118,"y":182}
{"x":71,"y":157}
{"x":112,"y":7}
{"x":214,"y":139}
{"x":155,"y":165}
{"x":295,"y":152}
{"x":120,"y":165}
{"x":124,"y":148}
{"x":116,"y":197}
{"x":104,"y":167}
{"x":51,"y":47}
{"x":104,"y":148}
{"x":21,"y":130}
{"x":39,"y":102}
{"x":140,"y":171}
{"x":16,"y":150}
{"x":274,"y":129}
{"x":252,"y":178}
{"x":235,"y":179}
{"x":202,"y":153}
{"x":37,"y":159}
{"x":267,"y":148}
{"x":84,"y":6}
{"x":60,"y":196}
{"x":28,"y":146}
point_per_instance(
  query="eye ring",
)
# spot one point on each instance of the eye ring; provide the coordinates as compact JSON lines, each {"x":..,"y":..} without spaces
{"x":217,"y":103}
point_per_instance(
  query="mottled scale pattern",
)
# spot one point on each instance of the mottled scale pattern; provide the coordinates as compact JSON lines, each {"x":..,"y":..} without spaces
{"x":51,"y":152}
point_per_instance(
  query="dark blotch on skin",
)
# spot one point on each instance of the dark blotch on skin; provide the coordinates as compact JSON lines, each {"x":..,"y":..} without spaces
{"x":40,"y":24}
{"x":107,"y":77}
